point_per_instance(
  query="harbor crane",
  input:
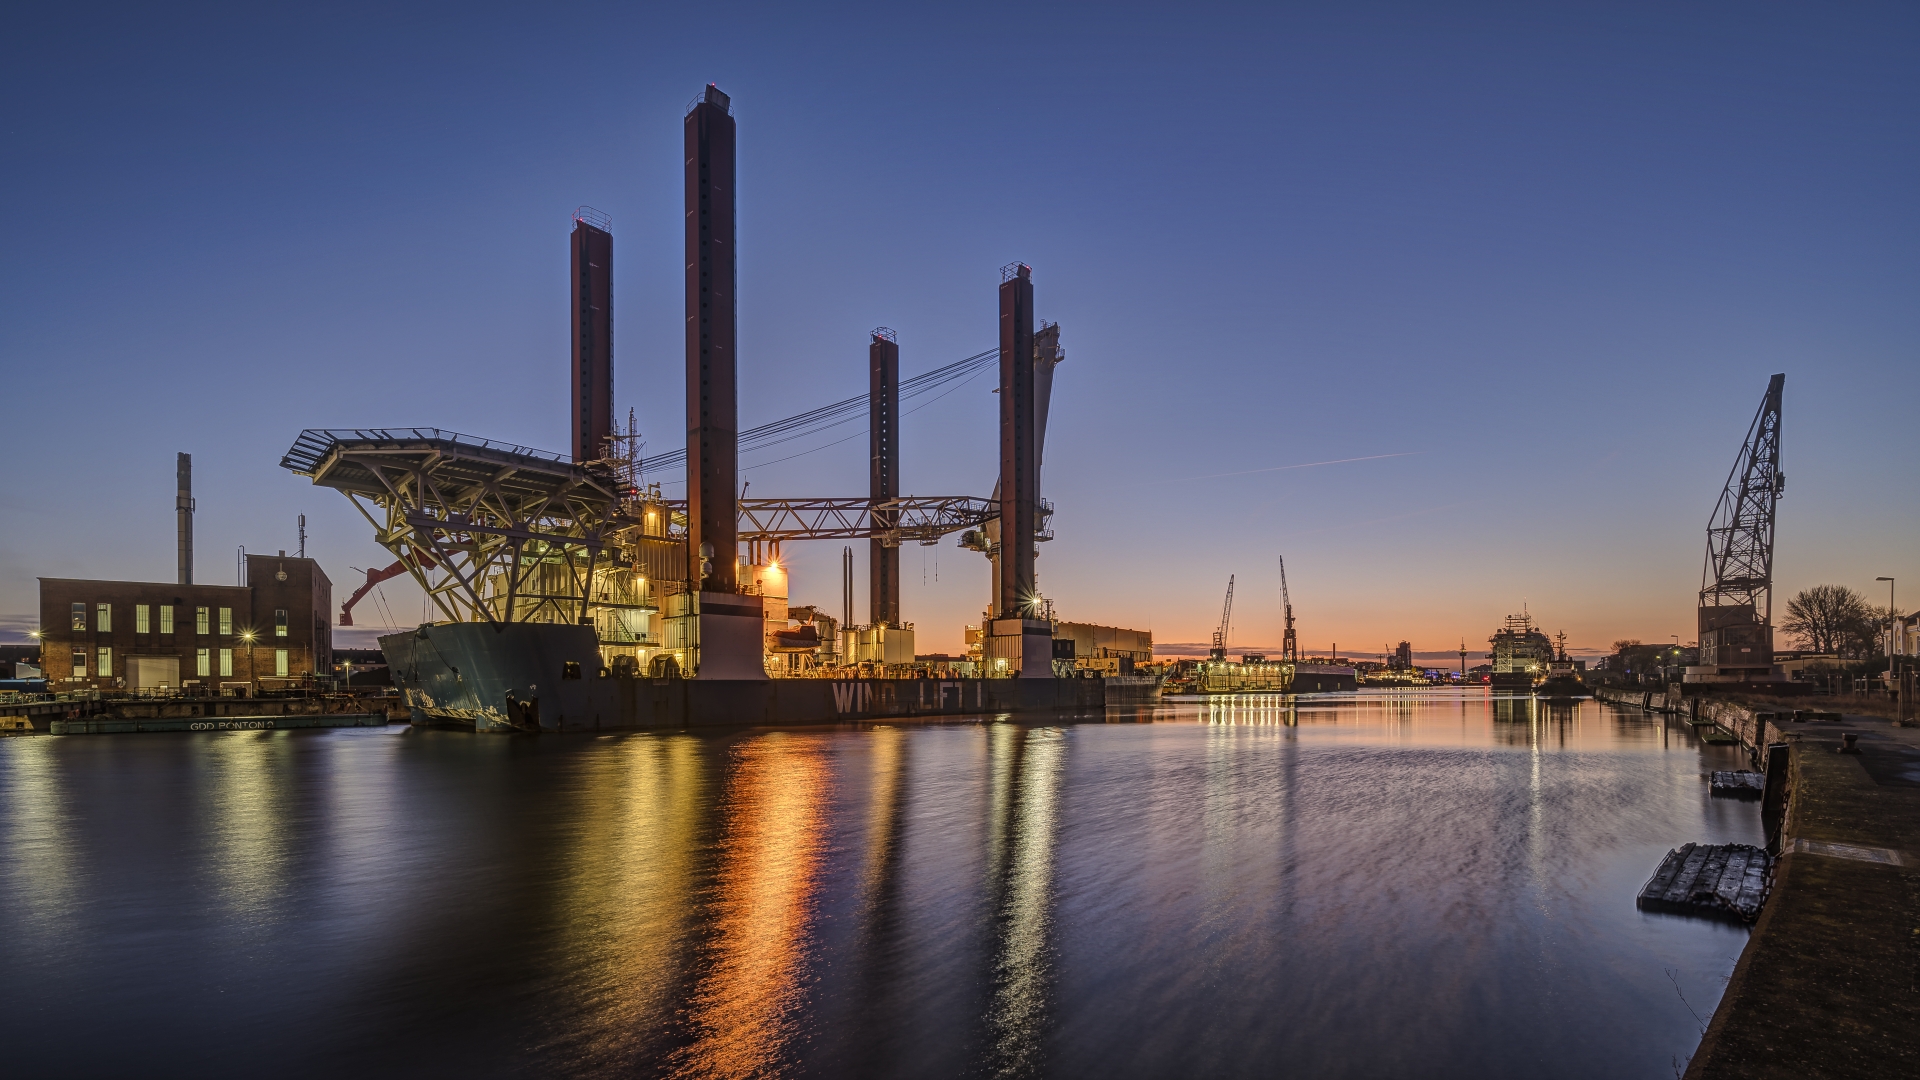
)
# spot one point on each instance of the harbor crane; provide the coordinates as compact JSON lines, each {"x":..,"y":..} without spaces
{"x":1289,"y":644}
{"x":1219,"y":651}
{"x":1736,"y":584}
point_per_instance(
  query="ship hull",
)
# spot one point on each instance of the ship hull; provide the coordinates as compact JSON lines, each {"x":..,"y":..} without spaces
{"x":1513,"y":681}
{"x":546,"y":677}
{"x":1563,"y":690}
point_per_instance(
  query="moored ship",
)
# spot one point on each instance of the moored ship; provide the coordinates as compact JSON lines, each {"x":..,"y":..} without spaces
{"x":1520,"y":655}
{"x":551,"y":677}
{"x":1563,"y":682}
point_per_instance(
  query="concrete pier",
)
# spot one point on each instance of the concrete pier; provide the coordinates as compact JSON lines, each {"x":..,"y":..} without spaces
{"x":1828,"y":985}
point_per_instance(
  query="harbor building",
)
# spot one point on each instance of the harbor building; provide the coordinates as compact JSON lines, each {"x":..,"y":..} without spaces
{"x":273,"y":631}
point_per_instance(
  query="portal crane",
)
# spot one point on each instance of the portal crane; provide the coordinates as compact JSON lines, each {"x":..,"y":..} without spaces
{"x":1219,"y":651}
{"x":1736,"y":585}
{"x":1289,"y":645}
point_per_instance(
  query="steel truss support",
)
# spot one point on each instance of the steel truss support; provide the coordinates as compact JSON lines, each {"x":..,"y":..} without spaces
{"x":893,"y":522}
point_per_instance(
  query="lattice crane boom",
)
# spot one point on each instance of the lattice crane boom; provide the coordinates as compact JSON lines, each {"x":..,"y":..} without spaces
{"x":1289,"y":644}
{"x":1226,"y":624}
{"x":1739,"y":563}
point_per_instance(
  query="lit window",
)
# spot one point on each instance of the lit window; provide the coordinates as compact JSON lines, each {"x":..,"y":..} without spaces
{"x":202,"y":661}
{"x":200,"y":622}
{"x":79,"y":616}
{"x":104,"y":666}
{"x":226,"y":663}
{"x":140,"y":619}
{"x":79,"y":663}
{"x":280,"y":622}
{"x":280,"y":662}
{"x":166,"y":618}
{"x":226,"y":620}
{"x":103,"y":618}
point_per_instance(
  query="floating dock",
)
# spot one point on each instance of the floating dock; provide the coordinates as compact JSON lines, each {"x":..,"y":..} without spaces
{"x":1712,"y":880}
{"x":1741,"y":784}
{"x":112,"y":725}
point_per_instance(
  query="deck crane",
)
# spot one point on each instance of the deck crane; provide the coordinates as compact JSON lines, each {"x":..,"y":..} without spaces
{"x":1289,"y":644}
{"x":1219,"y":651}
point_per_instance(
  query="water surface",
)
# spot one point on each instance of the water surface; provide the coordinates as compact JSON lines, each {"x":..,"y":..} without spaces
{"x":1423,"y":884}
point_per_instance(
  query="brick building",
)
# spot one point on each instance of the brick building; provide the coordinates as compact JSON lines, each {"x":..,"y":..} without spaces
{"x":274,"y":631}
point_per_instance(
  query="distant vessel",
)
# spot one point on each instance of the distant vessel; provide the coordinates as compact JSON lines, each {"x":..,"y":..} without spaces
{"x":1563,"y":680}
{"x":1521,"y":654}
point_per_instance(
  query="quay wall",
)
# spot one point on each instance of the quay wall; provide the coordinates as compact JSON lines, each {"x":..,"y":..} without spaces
{"x":1755,"y":728}
{"x":1824,"y":986}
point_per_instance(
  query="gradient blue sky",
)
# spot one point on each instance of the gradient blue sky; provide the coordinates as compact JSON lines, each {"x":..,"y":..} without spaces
{"x":1548,"y":253}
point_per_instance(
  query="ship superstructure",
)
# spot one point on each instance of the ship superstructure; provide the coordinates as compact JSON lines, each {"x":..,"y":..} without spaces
{"x":1521,"y":654}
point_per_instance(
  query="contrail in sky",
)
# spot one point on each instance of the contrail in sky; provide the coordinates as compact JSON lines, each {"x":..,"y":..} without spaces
{"x":1284,"y":468}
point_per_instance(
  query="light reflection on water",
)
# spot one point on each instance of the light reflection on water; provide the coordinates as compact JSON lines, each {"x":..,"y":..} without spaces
{"x":1375,"y":884}
{"x":243,"y":785}
{"x":1019,"y":1014}
{"x":631,"y":869}
{"x":745,"y":1011}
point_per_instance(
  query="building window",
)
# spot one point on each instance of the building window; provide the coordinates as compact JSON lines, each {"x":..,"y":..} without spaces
{"x":103,"y":618}
{"x":226,"y":621}
{"x":103,"y":666}
{"x":226,"y":663}
{"x":279,"y":622}
{"x":79,"y":663}
{"x":200,"y":622}
{"x":79,"y":616}
{"x":202,"y":660}
{"x":166,"y":618}
{"x":140,"y":617}
{"x":280,"y":662}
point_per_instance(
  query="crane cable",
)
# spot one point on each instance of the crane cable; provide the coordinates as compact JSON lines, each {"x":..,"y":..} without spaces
{"x":825,"y":417}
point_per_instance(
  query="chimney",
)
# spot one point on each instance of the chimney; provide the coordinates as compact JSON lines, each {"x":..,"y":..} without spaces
{"x":183,"y":511}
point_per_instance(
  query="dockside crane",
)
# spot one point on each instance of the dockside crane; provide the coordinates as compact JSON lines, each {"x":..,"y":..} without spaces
{"x":1289,"y":644}
{"x":1219,"y":651}
{"x":1736,"y":585}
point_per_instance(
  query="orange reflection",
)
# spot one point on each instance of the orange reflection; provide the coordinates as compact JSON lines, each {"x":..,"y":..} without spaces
{"x":745,"y":1010}
{"x":628,"y":876}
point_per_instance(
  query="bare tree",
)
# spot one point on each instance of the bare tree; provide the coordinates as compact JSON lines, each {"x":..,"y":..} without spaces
{"x":1625,"y":643}
{"x":1830,"y":619}
{"x":1871,"y":634}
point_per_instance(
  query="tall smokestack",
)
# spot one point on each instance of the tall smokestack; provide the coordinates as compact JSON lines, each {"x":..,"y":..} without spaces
{"x":883,"y":441}
{"x":712,"y":408}
{"x":1019,"y":449}
{"x":183,"y":514}
{"x":592,"y":333}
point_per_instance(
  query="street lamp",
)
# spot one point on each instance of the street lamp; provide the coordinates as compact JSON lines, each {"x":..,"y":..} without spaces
{"x":247,"y":636}
{"x":1890,"y":618}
